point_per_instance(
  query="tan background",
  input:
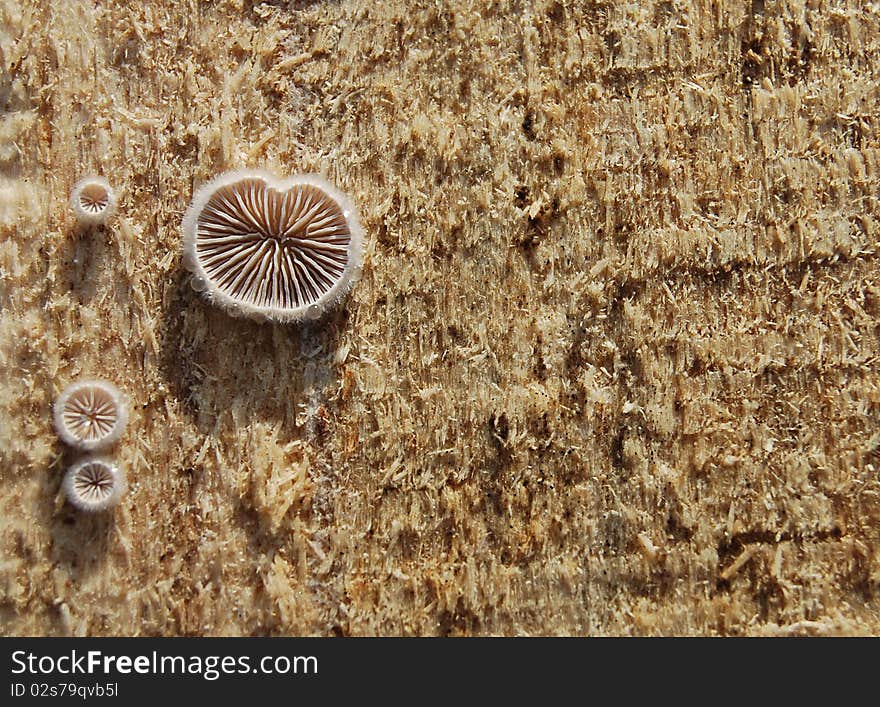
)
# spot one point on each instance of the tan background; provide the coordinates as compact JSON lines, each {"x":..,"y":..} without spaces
{"x":612,"y":367}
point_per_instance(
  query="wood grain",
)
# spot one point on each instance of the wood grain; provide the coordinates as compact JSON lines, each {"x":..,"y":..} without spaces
{"x":611,"y":368}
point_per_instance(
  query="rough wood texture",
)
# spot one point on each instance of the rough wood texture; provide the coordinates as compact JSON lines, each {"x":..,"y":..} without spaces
{"x":612,"y":367}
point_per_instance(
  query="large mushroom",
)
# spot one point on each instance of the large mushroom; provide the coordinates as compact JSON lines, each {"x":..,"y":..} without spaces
{"x":270,"y":249}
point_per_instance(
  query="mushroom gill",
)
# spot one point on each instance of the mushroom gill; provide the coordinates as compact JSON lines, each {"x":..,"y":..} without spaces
{"x":278,"y":250}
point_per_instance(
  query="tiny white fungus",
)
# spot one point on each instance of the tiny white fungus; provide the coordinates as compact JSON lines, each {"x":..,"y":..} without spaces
{"x":94,"y":484}
{"x":90,"y":415}
{"x":92,"y":200}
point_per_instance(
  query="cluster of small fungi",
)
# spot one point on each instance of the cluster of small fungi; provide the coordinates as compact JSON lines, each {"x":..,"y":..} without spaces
{"x":89,"y":417}
{"x":259,"y":247}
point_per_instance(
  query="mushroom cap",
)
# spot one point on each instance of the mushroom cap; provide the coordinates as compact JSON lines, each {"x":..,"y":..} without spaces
{"x":272,"y":249}
{"x":92,"y":200}
{"x":94,"y":484}
{"x":90,"y":415}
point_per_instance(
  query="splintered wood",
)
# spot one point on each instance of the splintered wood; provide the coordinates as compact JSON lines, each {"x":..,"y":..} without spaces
{"x":612,"y":367}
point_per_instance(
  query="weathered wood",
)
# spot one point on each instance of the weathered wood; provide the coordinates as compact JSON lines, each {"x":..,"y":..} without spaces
{"x":612,"y":366}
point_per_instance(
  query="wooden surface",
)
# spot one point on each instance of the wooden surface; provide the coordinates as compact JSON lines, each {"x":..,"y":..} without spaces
{"x":611,"y":368}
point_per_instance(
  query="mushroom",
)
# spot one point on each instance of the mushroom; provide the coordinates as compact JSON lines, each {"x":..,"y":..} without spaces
{"x":92,"y":200}
{"x":94,"y":484}
{"x":90,"y":415}
{"x":270,"y":249}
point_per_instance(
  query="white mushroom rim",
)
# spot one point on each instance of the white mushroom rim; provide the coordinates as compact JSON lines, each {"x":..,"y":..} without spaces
{"x":90,"y":415}
{"x":92,"y":200}
{"x":94,"y":484}
{"x":274,"y":249}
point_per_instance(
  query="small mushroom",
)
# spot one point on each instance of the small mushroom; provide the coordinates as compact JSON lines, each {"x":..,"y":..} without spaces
{"x":90,"y":415}
{"x":270,"y":249}
{"x":94,"y":484}
{"x":92,"y":200}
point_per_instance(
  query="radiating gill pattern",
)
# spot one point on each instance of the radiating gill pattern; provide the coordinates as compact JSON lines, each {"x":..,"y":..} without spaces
{"x":90,"y":414}
{"x":94,"y":198}
{"x":272,"y":249}
{"x":93,"y":483}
